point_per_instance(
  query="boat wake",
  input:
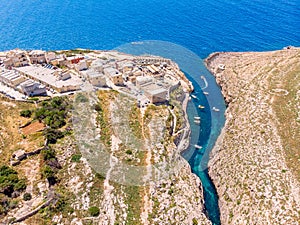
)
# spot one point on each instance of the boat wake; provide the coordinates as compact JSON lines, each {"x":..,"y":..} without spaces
{"x":205,"y":82}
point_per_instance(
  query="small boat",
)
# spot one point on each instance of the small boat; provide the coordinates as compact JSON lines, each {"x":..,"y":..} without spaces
{"x":198,"y":146}
{"x":194,"y":96}
{"x":190,"y":98}
{"x":206,"y":93}
{"x":197,"y":121}
{"x":201,"y":106}
{"x":197,"y":117}
{"x":215,"y":109}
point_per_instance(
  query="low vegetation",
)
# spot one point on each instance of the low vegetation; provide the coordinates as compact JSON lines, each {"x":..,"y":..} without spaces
{"x":94,"y":211}
{"x":9,"y":181}
{"x":10,"y":187}
{"x":26,"y":113}
{"x":50,"y":165}
{"x":53,"y":113}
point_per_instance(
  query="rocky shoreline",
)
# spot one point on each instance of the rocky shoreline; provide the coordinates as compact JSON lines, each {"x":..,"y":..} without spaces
{"x":249,"y":165}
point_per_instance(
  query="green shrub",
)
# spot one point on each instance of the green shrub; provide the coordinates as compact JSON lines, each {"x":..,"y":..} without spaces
{"x":53,"y":113}
{"x":52,"y":135}
{"x":76,"y":158}
{"x":9,"y":181}
{"x":48,"y":154}
{"x":33,"y":99}
{"x":27,"y":196}
{"x":5,"y":171}
{"x":26,"y":113}
{"x":81,"y":98}
{"x":98,"y":107}
{"x":129,"y":152}
{"x":20,"y":185}
{"x":47,"y":172}
{"x":195,"y":222}
{"x":94,"y":211}
{"x":100,"y":176}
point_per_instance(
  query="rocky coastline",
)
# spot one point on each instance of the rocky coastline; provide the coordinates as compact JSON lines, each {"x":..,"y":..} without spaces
{"x":255,"y":178}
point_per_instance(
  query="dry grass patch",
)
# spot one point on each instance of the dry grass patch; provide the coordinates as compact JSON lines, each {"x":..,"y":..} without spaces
{"x":11,"y":138}
{"x":286,"y":111}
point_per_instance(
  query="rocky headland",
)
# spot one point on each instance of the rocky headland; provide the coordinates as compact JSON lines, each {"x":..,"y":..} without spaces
{"x":84,"y":142}
{"x":255,"y":162}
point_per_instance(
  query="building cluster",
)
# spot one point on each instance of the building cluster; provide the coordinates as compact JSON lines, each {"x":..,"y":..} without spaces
{"x":39,"y":72}
{"x":21,"y":83}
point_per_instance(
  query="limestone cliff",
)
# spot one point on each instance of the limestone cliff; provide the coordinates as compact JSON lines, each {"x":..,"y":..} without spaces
{"x":255,"y":163}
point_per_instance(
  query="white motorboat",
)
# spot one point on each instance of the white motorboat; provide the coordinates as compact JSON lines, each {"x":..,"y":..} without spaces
{"x":215,"y":109}
{"x":198,"y":146}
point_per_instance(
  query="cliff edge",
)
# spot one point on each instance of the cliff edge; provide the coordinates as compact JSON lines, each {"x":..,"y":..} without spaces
{"x":255,"y":163}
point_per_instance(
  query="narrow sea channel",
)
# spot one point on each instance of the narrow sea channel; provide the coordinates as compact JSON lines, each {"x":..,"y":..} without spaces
{"x":206,"y":93}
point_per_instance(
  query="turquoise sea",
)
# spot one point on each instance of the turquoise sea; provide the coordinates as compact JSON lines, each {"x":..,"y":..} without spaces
{"x":202,"y":26}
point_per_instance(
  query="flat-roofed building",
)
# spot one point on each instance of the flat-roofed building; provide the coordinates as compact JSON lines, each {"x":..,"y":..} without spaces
{"x":96,"y":78}
{"x":51,"y":78}
{"x":97,"y":65}
{"x":75,"y":59}
{"x":32,"y":88}
{"x":50,"y":56}
{"x":147,"y":60}
{"x":127,"y":67}
{"x":143,"y":80}
{"x":81,"y":65}
{"x":64,"y":75}
{"x":137,"y":72}
{"x":11,"y":78}
{"x":114,"y":75}
{"x":16,"y":58}
{"x":37,"y":56}
{"x":132,"y":79}
{"x":155,"y":93}
{"x":153,"y":69}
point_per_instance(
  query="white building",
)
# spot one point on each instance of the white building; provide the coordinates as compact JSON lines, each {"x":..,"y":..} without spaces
{"x":81,"y":65}
{"x":96,"y":78}
{"x":31,"y":88}
{"x":37,"y":57}
{"x":143,"y":80}
{"x":155,"y":93}
{"x":97,"y":65}
{"x":114,"y":75}
{"x":16,"y":58}
{"x":11,"y":78}
{"x":50,"y":56}
{"x":51,"y":78}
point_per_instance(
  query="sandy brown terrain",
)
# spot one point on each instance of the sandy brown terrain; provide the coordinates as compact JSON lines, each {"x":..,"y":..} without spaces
{"x":256,"y":163}
{"x":33,"y":128}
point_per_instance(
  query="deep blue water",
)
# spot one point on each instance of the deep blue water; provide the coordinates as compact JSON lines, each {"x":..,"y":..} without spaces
{"x":200,"y":26}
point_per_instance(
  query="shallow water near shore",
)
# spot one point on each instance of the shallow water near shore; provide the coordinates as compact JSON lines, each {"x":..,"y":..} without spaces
{"x":212,"y":122}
